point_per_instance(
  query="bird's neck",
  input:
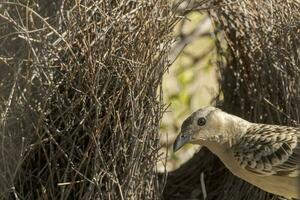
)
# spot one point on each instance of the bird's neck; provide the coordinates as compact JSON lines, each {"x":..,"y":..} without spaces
{"x":216,"y":148}
{"x":235,"y":128}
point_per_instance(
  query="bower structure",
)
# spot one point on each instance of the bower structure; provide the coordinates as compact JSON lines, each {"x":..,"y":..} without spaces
{"x":80,"y":100}
{"x":258,"y":49}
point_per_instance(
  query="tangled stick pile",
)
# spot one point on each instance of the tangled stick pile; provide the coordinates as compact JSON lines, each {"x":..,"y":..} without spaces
{"x":81,"y":98}
{"x":258,"y":50}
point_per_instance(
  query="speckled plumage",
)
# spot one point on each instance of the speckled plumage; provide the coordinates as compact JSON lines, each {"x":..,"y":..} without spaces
{"x":269,"y":150}
{"x":267,"y":156}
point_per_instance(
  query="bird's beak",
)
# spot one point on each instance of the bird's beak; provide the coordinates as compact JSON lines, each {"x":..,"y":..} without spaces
{"x":180,"y":141}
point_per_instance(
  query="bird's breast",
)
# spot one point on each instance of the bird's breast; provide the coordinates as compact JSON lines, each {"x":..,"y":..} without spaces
{"x":280,"y":185}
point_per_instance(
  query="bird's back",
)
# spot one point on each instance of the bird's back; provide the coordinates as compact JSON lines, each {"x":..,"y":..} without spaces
{"x":267,"y":156}
{"x":270,"y":150}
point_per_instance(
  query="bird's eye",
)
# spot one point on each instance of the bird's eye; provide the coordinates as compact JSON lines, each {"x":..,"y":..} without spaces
{"x":201,"y":121}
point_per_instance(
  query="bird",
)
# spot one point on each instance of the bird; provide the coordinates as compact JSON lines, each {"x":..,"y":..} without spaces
{"x":266,"y":156}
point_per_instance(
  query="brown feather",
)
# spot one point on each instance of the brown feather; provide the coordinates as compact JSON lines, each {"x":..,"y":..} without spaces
{"x":270,"y":150}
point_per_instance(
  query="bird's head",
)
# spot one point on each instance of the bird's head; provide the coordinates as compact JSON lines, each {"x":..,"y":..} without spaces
{"x":206,"y":124}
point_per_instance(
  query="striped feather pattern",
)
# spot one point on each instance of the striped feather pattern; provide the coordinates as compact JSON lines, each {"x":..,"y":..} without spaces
{"x":269,"y":150}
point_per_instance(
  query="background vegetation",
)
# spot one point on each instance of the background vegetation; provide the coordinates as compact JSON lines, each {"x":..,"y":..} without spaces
{"x":190,"y":83}
{"x":258,"y":60}
{"x":81,"y":99}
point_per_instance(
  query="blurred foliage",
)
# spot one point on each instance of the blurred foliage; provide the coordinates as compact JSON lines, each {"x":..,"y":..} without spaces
{"x":190,"y":83}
